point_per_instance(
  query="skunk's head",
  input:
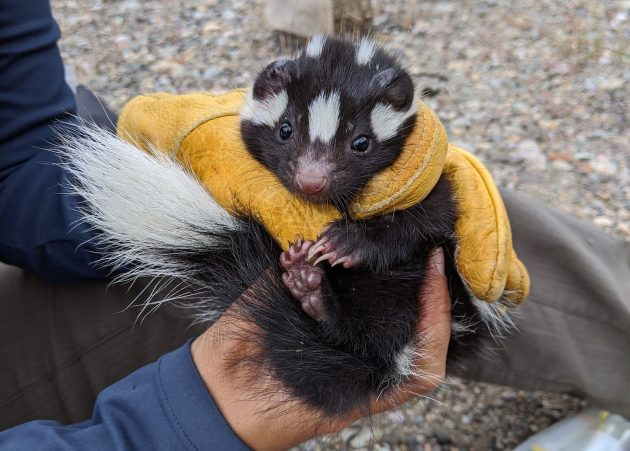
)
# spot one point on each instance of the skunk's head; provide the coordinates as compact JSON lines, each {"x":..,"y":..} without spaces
{"x":327,"y":121}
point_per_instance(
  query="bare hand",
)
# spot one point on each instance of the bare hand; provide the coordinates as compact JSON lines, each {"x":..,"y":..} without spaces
{"x":246,"y":413}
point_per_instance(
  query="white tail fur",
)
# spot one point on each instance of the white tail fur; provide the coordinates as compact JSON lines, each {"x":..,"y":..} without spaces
{"x":142,"y":204}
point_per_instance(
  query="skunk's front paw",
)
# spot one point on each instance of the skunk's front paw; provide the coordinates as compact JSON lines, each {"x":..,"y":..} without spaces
{"x":303,"y":279}
{"x":339,"y":245}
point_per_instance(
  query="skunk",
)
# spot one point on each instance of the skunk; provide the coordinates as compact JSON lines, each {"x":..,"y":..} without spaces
{"x":334,"y":321}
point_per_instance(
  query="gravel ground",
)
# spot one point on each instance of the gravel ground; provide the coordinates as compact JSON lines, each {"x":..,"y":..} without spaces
{"x":539,"y":89}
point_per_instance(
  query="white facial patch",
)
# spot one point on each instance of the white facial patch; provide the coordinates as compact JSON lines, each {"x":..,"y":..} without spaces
{"x":365,"y":52}
{"x":386,"y":121}
{"x":315,"y":46}
{"x":267,"y":111}
{"x":323,"y":116}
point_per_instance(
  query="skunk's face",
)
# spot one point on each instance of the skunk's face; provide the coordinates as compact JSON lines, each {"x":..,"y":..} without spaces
{"x":328,"y":121}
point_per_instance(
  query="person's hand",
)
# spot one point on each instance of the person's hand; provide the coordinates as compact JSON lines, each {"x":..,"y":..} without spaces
{"x":247,"y":414}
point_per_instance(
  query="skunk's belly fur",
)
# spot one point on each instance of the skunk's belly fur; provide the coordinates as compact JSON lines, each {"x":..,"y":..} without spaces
{"x":156,"y":219}
{"x":367,"y":344}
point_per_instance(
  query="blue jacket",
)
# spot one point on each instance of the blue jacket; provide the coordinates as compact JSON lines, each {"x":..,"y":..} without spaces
{"x":164,"y":405}
{"x":36,"y":219}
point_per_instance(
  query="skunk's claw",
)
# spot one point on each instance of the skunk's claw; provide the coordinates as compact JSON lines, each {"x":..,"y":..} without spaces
{"x":317,"y":248}
{"x":335,"y":247}
{"x":303,"y":279}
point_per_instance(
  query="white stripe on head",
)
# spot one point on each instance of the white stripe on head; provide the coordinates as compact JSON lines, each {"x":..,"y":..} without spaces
{"x":385,"y":120}
{"x":323,"y":116}
{"x":365,"y":51}
{"x":267,"y":111}
{"x":315,"y":46}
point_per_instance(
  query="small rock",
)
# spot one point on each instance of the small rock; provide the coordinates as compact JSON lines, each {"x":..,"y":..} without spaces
{"x":603,"y":221}
{"x":173,"y":68}
{"x":583,"y":156}
{"x":442,"y":438}
{"x":560,"y":165}
{"x":604,"y":166}
{"x":585,"y":168}
{"x":608,"y":84}
{"x":509,"y":395}
{"x":228,"y":14}
{"x":362,"y":439}
{"x":211,"y":72}
{"x":461,"y":122}
{"x":529,"y":152}
{"x":347,"y":434}
{"x":560,"y":156}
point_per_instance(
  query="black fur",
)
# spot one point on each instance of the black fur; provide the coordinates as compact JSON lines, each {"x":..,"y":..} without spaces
{"x":336,"y":365}
{"x":360,"y":87}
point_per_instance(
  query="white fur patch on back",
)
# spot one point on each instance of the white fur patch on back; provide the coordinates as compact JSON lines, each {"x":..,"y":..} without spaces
{"x":405,"y":366}
{"x":315,"y":46}
{"x":267,"y":111}
{"x":365,"y":52}
{"x":386,"y":121}
{"x":323,"y":116}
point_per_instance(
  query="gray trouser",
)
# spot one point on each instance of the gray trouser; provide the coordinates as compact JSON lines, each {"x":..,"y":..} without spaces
{"x":61,"y":344}
{"x":574,"y":330}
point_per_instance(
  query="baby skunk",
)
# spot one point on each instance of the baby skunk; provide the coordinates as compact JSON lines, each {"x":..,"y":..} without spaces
{"x":334,"y":321}
{"x":325,"y":123}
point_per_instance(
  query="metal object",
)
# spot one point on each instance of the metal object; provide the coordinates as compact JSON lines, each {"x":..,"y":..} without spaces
{"x":590,"y":430}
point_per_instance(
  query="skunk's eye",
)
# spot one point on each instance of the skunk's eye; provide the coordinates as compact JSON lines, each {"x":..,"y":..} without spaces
{"x":360,"y":143}
{"x":285,"y":131}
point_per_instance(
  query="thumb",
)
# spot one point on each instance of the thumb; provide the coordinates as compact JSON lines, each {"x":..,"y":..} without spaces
{"x":434,"y":298}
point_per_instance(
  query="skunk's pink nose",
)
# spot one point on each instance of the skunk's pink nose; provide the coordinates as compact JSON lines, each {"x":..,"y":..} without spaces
{"x":311,"y":182}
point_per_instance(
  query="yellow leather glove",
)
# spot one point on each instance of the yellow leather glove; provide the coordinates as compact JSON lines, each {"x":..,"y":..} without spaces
{"x":202,"y":131}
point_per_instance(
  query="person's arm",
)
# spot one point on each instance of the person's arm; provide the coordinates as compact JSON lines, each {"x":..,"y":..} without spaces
{"x":39,"y":228}
{"x":162,"y":406}
{"x":193,"y":398}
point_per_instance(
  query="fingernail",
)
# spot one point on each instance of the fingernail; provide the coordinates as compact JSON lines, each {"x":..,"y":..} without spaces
{"x":438,"y":260}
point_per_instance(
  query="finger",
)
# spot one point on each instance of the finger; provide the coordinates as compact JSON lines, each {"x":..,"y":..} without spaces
{"x":434,"y":327}
{"x":434,"y":298}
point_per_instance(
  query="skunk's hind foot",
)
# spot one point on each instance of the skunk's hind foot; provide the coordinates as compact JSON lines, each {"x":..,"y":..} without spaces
{"x":303,"y":279}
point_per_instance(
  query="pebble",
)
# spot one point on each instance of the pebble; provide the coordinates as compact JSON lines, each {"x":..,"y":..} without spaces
{"x":604,"y":165}
{"x":529,"y":152}
{"x":363,"y":438}
{"x":348,"y":433}
{"x":602,"y":221}
{"x":583,"y":156}
{"x":561,"y":165}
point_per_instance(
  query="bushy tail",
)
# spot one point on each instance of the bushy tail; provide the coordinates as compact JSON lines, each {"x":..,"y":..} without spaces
{"x":151,"y":217}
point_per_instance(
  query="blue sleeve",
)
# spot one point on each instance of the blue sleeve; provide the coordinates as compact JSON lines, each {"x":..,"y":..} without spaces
{"x":38,"y":224}
{"x":163,"y":406}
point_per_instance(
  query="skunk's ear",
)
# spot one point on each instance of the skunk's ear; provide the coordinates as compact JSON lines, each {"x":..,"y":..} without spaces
{"x":395,"y":87}
{"x":274,"y":78}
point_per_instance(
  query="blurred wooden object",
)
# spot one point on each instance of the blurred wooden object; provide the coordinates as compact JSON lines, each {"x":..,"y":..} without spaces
{"x":301,"y":18}
{"x":297,"y":20}
{"x":352,"y":17}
